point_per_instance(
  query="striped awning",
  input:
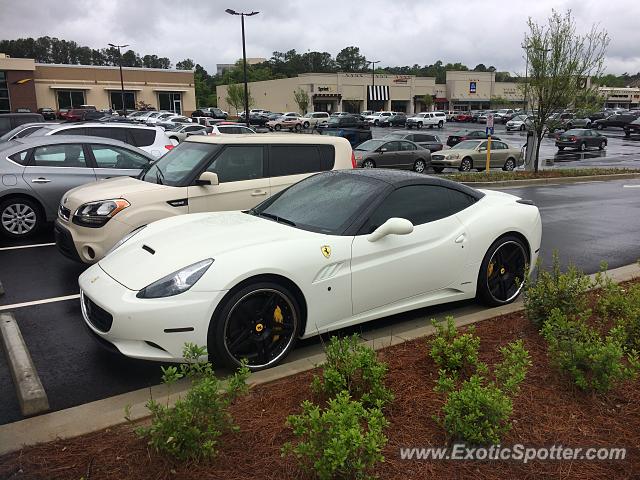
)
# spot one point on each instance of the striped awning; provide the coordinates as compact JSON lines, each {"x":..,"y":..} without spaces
{"x":378,"y":92}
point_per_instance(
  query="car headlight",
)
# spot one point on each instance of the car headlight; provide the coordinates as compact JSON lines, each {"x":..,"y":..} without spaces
{"x":124,"y":239}
{"x":176,"y":282}
{"x":452,"y":156}
{"x":97,"y":214}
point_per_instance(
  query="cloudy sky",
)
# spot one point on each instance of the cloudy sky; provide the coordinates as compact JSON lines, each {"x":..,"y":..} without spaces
{"x":397,"y":32}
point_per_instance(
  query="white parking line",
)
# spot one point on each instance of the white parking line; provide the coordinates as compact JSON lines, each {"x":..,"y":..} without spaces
{"x":27,"y":246}
{"x":39,"y":302}
{"x":631,"y":186}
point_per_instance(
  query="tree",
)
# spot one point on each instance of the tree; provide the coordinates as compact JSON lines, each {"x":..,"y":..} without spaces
{"x":428,"y":102}
{"x":186,"y":64}
{"x":235,"y":96}
{"x":350,"y":60}
{"x":302,"y":99}
{"x":481,"y":67}
{"x":560,"y":62}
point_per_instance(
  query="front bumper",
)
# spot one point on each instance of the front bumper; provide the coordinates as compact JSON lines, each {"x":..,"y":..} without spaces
{"x":149,"y":329}
{"x":567,"y":144}
{"x":442,"y":162}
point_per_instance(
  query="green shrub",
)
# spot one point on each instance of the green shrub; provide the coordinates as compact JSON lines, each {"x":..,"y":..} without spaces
{"x":452,"y":352}
{"x":593,"y":362}
{"x":478,"y":409}
{"x":554,"y":289}
{"x":342,"y":440}
{"x":189,"y":430}
{"x":353,"y":367}
{"x":622,"y":305}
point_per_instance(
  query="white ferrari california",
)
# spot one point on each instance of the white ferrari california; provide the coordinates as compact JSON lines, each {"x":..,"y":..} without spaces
{"x":336,"y":249}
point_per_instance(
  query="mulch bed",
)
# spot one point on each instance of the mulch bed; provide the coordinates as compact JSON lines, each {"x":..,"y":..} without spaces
{"x":548,"y":411}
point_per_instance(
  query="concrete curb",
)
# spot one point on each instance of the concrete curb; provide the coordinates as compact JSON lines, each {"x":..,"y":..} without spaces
{"x":544,"y":181}
{"x":109,"y":412}
{"x":29,"y":389}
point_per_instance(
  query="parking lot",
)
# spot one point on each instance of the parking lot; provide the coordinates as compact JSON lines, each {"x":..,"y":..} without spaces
{"x":42,"y":291}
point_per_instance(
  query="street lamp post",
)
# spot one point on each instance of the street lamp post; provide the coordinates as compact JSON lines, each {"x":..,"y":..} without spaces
{"x":373,"y":74}
{"x":124,"y":110}
{"x":244,"y":61}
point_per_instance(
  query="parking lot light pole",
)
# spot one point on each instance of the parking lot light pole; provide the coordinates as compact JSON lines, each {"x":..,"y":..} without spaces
{"x":121,"y":77}
{"x":373,"y":74}
{"x":244,"y":61}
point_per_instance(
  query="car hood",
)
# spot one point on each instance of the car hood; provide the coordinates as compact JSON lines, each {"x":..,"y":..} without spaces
{"x":120,"y":187}
{"x":181,"y":241}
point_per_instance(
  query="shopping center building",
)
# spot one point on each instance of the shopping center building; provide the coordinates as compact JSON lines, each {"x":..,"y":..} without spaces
{"x":25,"y":84}
{"x":355,"y":92}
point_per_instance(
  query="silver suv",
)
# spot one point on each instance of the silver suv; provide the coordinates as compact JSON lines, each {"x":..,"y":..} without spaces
{"x":37,"y":171}
{"x":152,"y":140}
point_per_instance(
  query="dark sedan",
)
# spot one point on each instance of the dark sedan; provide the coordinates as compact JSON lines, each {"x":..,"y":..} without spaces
{"x":581,"y":139}
{"x":467,"y":135}
{"x":633,"y":127}
{"x":385,"y":153}
{"x":398,"y":119}
{"x":616,"y":120}
{"x":47,"y":113}
{"x":425,"y":140}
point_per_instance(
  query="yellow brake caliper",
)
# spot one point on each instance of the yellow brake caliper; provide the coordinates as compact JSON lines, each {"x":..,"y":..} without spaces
{"x":278,"y":318}
{"x":490,"y":270}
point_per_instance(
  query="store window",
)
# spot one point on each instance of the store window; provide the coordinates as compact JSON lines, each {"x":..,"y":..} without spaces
{"x":70,"y":98}
{"x":115,"y":98}
{"x":170,"y":101}
{"x":5,"y":105}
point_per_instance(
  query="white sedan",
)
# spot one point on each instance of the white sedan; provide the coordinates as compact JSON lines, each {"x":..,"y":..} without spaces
{"x":336,"y":249}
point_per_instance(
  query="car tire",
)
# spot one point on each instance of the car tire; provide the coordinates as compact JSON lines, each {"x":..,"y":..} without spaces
{"x":440,"y":124}
{"x":438,"y":169}
{"x":368,"y":164}
{"x":419,"y":166}
{"x":409,"y":127}
{"x":561,"y":148}
{"x":305,"y":125}
{"x":466,"y":165}
{"x":522,"y":127}
{"x":582,"y":147}
{"x":277,"y":128}
{"x":509,"y":268}
{"x":603,"y":145}
{"x":255,"y":332}
{"x":20,"y":217}
{"x":419,"y":126}
{"x":297,"y":127}
{"x":376,"y":123}
{"x":509,"y":165}
{"x":599,"y":126}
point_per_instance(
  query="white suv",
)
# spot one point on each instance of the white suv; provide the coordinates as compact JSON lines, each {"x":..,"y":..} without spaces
{"x":429,"y":119}
{"x":313,"y":119}
{"x":202,"y":174}
{"x":152,"y":140}
{"x":376,"y":118}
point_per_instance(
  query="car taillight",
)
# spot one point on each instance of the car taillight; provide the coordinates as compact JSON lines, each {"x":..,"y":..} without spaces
{"x":353,"y":159}
{"x":168,"y":147}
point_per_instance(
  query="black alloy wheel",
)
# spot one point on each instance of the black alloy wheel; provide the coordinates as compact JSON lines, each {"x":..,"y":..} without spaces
{"x":502,"y":272}
{"x":259,"y":323}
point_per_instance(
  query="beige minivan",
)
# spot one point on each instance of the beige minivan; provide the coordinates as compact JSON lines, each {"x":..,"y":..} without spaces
{"x":202,"y":174}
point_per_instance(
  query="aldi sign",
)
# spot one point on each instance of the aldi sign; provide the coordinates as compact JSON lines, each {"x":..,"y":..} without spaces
{"x":472,"y":87}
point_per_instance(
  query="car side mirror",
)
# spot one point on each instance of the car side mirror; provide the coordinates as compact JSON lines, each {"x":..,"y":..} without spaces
{"x":393,"y":226}
{"x":207,"y":179}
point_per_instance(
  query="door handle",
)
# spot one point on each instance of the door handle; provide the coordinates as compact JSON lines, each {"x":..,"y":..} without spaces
{"x":258,"y":193}
{"x":40,"y":180}
{"x":461,"y":238}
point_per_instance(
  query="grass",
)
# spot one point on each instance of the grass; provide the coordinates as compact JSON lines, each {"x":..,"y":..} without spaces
{"x":498,"y":175}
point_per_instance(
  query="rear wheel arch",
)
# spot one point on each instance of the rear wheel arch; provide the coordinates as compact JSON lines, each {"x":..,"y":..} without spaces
{"x":38,"y":203}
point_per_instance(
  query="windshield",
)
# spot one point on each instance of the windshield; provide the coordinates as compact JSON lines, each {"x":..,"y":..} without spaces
{"x":574,"y":132}
{"x":336,"y":199}
{"x":395,"y":135}
{"x":176,"y":166}
{"x":370,"y":145}
{"x":466,"y":145}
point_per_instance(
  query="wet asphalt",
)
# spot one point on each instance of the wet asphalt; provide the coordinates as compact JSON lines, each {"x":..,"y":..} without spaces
{"x":587,"y":223}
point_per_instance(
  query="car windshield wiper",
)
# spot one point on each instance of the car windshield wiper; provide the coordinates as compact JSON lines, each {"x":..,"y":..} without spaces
{"x":277,"y":218}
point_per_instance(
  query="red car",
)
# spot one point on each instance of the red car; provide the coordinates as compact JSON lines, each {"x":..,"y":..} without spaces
{"x":462,"y":117}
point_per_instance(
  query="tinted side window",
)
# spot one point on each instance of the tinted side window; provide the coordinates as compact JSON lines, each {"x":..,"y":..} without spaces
{"x":70,"y":155}
{"x":417,"y":203}
{"x":293,"y":160}
{"x":239,"y":162}
{"x":115,"y":133}
{"x":20,"y":157}
{"x":327,"y":157}
{"x":142,"y":137}
{"x":458,"y":201}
